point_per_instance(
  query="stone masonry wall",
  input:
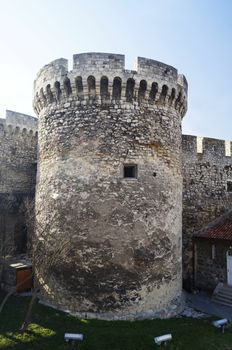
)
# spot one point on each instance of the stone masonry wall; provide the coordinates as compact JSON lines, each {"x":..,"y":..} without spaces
{"x":207,"y":167}
{"x":124,"y":234}
{"x":210,"y":270}
{"x":18,"y":154}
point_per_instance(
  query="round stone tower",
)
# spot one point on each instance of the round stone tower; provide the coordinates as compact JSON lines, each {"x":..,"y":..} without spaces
{"x":110,"y":185}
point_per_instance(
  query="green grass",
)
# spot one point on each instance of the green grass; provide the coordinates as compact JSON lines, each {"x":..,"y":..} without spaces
{"x":48,"y":328}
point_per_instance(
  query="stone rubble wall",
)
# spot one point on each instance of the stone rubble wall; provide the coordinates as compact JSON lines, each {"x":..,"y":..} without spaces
{"x":207,"y":166}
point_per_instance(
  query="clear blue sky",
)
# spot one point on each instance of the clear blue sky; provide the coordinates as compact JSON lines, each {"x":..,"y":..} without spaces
{"x":194,"y":36}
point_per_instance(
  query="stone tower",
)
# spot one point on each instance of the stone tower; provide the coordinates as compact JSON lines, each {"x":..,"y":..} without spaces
{"x":110,"y":181}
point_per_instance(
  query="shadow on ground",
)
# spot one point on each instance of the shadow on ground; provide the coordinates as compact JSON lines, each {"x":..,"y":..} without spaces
{"x":49,"y":325}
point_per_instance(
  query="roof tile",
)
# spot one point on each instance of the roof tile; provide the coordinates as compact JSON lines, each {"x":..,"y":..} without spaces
{"x":220,"y":228}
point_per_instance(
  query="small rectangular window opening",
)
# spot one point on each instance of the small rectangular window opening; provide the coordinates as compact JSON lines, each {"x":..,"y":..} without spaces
{"x":213,"y":252}
{"x":229,"y":186}
{"x":130,"y":171}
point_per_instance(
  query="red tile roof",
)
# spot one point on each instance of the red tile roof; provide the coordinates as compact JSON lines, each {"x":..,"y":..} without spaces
{"x":220,"y":228}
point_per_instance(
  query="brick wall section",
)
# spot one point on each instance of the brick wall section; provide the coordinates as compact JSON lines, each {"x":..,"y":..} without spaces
{"x":125,"y":234}
{"x":205,"y":196}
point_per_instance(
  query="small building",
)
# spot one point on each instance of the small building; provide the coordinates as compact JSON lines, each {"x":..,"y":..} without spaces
{"x":213,"y":253}
{"x":17,"y":274}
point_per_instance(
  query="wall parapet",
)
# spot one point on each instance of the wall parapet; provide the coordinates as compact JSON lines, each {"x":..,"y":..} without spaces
{"x":206,"y":147}
{"x":106,"y":61}
{"x":101,"y":78}
{"x":19,"y":123}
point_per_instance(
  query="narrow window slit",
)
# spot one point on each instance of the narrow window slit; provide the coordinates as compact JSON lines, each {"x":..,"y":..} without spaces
{"x":104,"y":88}
{"x":163,"y":93}
{"x":142,"y":90}
{"x":130,"y":90}
{"x":153,"y":92}
{"x":79,"y":86}
{"x":67,"y":86}
{"x":91,"y":86}
{"x":117,"y":88}
{"x":172,"y":97}
{"x":58,"y":90}
{"x":49,"y":93}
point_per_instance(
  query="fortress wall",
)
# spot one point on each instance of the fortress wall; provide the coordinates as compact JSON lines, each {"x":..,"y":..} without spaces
{"x":18,"y":153}
{"x":207,"y":168}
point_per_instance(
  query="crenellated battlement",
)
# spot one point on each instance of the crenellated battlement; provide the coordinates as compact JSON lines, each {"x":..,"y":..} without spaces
{"x":206,"y":147}
{"x":18,"y":124}
{"x":101,"y":78}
